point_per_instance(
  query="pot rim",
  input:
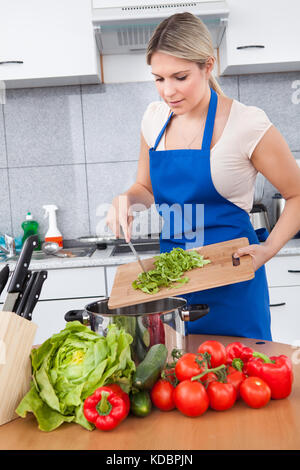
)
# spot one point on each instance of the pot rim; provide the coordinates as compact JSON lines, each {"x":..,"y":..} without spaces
{"x":137,"y":309}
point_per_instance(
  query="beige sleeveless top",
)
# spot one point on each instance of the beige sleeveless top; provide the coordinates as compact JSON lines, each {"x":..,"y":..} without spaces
{"x":232,"y":172}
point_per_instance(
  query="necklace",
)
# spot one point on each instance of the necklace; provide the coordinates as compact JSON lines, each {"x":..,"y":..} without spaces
{"x":188,"y":144}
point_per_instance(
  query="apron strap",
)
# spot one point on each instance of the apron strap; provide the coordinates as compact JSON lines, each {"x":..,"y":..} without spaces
{"x":162,"y":131}
{"x":210,"y":121}
{"x":209,"y":125}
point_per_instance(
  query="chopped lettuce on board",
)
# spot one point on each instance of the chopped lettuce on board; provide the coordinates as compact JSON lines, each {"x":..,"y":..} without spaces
{"x":70,"y":366}
{"x":169,"y":269}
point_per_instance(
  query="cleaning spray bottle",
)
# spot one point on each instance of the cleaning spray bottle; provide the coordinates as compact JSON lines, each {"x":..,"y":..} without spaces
{"x":53,"y":234}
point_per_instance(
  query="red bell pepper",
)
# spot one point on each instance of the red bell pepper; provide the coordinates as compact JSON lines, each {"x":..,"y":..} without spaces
{"x":107,"y":407}
{"x":276,"y":371}
{"x":156,"y":329}
{"x":238,"y":350}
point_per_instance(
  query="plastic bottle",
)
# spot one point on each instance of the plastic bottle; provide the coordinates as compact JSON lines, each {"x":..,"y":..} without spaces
{"x":53,"y":234}
{"x":30,"y":227}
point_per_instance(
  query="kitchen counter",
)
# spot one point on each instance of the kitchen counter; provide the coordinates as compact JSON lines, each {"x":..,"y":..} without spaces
{"x":274,"y":427}
{"x":103,"y":258}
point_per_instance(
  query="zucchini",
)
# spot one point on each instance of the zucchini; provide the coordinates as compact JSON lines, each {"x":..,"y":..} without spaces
{"x":140,"y":403}
{"x":149,"y":370}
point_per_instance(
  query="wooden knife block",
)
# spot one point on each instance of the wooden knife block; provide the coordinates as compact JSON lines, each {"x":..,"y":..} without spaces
{"x":16,"y":340}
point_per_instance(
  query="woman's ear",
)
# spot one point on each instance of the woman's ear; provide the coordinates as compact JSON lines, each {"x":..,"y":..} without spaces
{"x":209,"y":66}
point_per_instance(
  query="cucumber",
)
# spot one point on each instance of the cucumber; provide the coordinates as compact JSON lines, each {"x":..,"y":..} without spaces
{"x":140,"y":351}
{"x":140,"y":403}
{"x":149,"y":370}
{"x":142,"y":332}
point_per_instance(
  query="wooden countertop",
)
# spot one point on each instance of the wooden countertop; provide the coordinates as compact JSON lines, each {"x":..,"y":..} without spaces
{"x":276,"y":426}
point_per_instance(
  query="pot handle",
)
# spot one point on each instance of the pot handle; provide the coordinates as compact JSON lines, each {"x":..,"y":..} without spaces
{"x":74,"y":315}
{"x":194,"y":312}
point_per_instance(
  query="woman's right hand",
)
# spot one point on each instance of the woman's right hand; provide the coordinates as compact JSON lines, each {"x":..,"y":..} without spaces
{"x":119,"y":217}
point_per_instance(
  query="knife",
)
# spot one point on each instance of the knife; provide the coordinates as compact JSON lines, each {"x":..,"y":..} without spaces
{"x":16,"y":285}
{"x":34,"y":294}
{"x":20,"y":304}
{"x":133,"y":250}
{"x":4,"y":275}
{"x":136,"y":255}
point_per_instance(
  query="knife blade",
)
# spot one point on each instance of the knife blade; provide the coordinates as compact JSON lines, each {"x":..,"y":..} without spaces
{"x":136,"y":255}
{"x":34,"y":294}
{"x":19,"y":276}
{"x":4,"y":275}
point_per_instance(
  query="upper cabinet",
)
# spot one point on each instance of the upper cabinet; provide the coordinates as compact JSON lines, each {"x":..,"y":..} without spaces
{"x":261,"y":36}
{"x":45,"y":43}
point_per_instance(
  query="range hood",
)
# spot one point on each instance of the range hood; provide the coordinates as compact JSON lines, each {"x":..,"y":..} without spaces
{"x":125,"y":26}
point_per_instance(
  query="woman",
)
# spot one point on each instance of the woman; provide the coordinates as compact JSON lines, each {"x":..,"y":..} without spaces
{"x":199,"y":147}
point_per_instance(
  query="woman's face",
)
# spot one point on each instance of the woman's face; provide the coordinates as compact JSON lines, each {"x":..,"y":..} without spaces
{"x":180,"y":82}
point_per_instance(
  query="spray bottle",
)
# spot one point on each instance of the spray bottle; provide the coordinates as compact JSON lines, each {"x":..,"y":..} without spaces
{"x":53,"y":234}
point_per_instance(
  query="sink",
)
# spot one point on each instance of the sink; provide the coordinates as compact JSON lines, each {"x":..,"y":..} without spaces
{"x":145,"y":248}
{"x":76,"y":252}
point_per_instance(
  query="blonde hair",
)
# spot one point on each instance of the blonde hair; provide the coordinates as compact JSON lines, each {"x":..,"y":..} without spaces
{"x":185,"y":36}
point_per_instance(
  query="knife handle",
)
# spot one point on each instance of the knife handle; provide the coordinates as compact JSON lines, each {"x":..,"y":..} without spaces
{"x":21,"y":269}
{"x":4,"y":275}
{"x":34,"y":294}
{"x":24,"y":295}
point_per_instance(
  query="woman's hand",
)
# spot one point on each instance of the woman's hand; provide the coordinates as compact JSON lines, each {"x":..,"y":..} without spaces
{"x":120,"y":217}
{"x":260,"y":254}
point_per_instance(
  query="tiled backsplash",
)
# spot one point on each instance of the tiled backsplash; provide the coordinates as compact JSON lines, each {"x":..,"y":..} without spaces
{"x":78,"y":146}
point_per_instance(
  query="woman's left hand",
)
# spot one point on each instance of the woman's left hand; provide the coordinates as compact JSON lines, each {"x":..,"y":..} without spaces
{"x":260,"y":254}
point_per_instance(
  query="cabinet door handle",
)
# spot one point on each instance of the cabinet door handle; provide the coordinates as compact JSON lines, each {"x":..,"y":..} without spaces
{"x":278,"y":305}
{"x":11,"y":62}
{"x":293,"y":270}
{"x":252,"y":46}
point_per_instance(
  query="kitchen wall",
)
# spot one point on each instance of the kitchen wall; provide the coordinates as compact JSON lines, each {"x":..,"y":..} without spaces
{"x":77,"y":146}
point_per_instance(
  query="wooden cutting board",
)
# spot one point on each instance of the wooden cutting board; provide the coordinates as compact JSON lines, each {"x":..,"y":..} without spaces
{"x":220,"y":272}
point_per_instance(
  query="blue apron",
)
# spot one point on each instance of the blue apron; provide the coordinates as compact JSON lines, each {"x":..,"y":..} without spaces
{"x":182,"y":178}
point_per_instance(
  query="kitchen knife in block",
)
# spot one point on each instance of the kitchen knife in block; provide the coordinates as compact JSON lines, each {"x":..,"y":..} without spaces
{"x":4,"y":275}
{"x":16,"y":340}
{"x":34,"y":294}
{"x":24,"y":296}
{"x":223,"y":270}
{"x":19,"y":276}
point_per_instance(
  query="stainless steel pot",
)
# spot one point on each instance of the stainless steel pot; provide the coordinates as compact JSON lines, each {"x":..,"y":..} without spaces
{"x":149,"y":323}
{"x":278,"y":205}
{"x":259,"y":217}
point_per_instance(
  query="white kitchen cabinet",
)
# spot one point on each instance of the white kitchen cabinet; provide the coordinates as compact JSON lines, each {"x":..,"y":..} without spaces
{"x":74,"y":283}
{"x":110,"y":276}
{"x":283,"y":274}
{"x":285,"y":314}
{"x":273,"y":24}
{"x":53,"y":41}
{"x":68,"y":283}
{"x":283,"y":271}
{"x":49,"y":315}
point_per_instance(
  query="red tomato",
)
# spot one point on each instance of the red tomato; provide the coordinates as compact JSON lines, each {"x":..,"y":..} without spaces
{"x":187,"y":367}
{"x":162,"y":395}
{"x":222,"y":396}
{"x":236,"y":378}
{"x":191,"y":398}
{"x":216,"y":350}
{"x":209,"y":377}
{"x":169,"y":374}
{"x":255,"y":392}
